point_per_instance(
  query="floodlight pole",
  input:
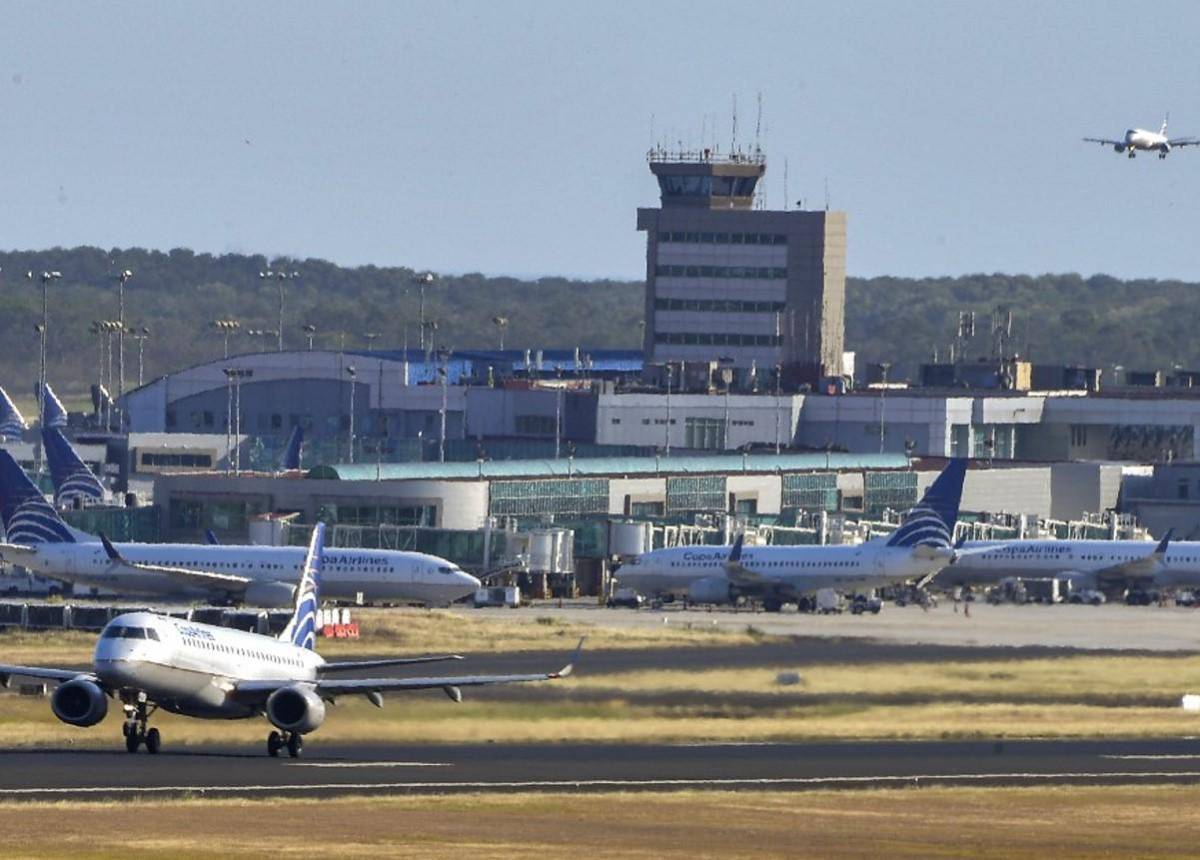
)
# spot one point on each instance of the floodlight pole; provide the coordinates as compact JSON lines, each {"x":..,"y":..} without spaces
{"x":353,"y":373}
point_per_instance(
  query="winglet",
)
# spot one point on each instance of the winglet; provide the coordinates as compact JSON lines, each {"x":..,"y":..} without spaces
{"x":570,"y":667}
{"x":735,"y":554}
{"x":109,"y":549}
{"x":1161,"y":549}
{"x":210,"y":538}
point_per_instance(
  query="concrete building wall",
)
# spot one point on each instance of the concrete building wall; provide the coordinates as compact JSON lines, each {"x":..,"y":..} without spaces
{"x":641,"y":419}
{"x":765,"y":490}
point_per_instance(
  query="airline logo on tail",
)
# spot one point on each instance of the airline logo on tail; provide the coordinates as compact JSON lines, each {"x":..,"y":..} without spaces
{"x":28,"y":517}
{"x":54,"y":414}
{"x":302,"y":629}
{"x":12,"y":423}
{"x":931,"y":521}
{"x":72,"y":478}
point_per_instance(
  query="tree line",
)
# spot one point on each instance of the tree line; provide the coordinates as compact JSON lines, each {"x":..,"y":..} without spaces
{"x":177,"y":296}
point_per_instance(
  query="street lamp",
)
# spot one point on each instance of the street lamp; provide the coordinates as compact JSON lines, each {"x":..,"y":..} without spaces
{"x":310,"y":331}
{"x":423,"y":280}
{"x":122,"y":278}
{"x":226,"y":328}
{"x":502,"y":324}
{"x":884,"y":367}
{"x":140,"y":337}
{"x":444,"y":374}
{"x":370,"y":337}
{"x":46,"y":278}
{"x":279,"y":278}
{"x":352,"y":372}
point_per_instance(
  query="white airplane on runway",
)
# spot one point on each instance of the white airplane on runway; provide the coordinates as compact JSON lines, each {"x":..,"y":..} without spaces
{"x":149,"y":661}
{"x":921,"y":546}
{"x":1147,"y":141}
{"x":37,"y":538}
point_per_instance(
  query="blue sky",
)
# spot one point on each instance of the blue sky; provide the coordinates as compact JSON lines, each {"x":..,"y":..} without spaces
{"x":511,"y":138}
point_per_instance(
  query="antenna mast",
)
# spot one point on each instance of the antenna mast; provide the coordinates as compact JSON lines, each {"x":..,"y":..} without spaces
{"x":733,"y":135}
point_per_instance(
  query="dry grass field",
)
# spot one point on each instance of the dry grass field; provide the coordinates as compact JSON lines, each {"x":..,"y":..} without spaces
{"x":1069,"y":823}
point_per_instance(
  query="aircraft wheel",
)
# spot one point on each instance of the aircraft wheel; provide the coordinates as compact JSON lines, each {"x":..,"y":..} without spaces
{"x":772,"y":605}
{"x":132,"y":742}
{"x":274,"y":744}
{"x":153,"y":741}
{"x":294,"y":744}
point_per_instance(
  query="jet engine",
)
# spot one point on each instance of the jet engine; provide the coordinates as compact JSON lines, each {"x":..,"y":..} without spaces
{"x":712,"y":589}
{"x":80,"y":702}
{"x":296,"y":708}
{"x":1118,"y":147}
{"x":269,"y":595}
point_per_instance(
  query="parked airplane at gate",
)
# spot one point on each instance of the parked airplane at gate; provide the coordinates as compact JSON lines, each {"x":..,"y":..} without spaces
{"x":1147,"y":141}
{"x":39,"y":540}
{"x":918,"y":549}
{"x":148,"y":661}
{"x":1095,"y":565}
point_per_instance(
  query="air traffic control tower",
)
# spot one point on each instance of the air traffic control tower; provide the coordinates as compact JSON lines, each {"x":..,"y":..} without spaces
{"x":725,"y":280}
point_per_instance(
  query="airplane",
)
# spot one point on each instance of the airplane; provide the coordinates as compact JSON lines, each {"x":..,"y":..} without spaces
{"x":12,"y":423}
{"x":920,"y":547}
{"x":1147,"y":141}
{"x":148,"y":661}
{"x":39,"y":540}
{"x":1092,"y":565}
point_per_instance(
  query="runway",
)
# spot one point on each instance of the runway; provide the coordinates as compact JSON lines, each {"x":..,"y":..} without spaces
{"x":356,"y":769}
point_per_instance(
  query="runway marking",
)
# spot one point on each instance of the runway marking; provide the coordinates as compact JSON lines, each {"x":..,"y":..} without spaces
{"x":599,"y":784}
{"x":369,"y":764}
{"x":1150,"y":757}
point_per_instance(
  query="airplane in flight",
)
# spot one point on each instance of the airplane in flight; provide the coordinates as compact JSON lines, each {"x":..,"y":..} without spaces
{"x":148,"y":661}
{"x":37,"y":538}
{"x":1092,"y":565}
{"x":12,"y":422}
{"x":1146,"y":141}
{"x":919,"y":548}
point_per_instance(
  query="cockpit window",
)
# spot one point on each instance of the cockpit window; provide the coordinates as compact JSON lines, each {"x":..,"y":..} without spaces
{"x":119,"y":632}
{"x":445,"y":570}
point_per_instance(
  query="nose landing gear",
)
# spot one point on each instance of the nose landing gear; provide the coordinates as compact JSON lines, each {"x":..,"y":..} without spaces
{"x":277,"y":741}
{"x":137,"y":714}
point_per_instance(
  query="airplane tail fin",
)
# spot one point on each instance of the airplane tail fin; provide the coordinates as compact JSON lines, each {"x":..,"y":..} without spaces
{"x":301,"y":630}
{"x":291,"y":454}
{"x":54,"y":414}
{"x":28,"y":518}
{"x":71,"y":476}
{"x":1166,"y":119}
{"x":12,"y":422}
{"x":931,"y":522}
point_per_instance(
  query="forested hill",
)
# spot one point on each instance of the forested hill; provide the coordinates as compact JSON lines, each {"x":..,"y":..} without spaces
{"x":1056,"y":318}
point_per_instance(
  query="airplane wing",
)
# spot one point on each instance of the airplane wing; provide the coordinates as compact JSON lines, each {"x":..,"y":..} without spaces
{"x":372,"y":688}
{"x":185,"y":575}
{"x":15,"y":553}
{"x":1176,"y":142}
{"x":38,"y":673}
{"x":1103,"y":141}
{"x":1139,"y":568}
{"x":357,"y":665}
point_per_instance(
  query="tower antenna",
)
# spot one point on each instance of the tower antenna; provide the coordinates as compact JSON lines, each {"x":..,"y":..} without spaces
{"x":758,"y":123}
{"x":785,"y":179}
{"x":826,"y":193}
{"x":733,"y":135}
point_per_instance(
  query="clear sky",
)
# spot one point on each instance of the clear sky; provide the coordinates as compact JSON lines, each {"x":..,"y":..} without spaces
{"x":510,"y":138}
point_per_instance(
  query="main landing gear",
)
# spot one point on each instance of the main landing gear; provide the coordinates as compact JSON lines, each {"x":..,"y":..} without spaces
{"x":134,"y":728}
{"x":277,"y":741}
